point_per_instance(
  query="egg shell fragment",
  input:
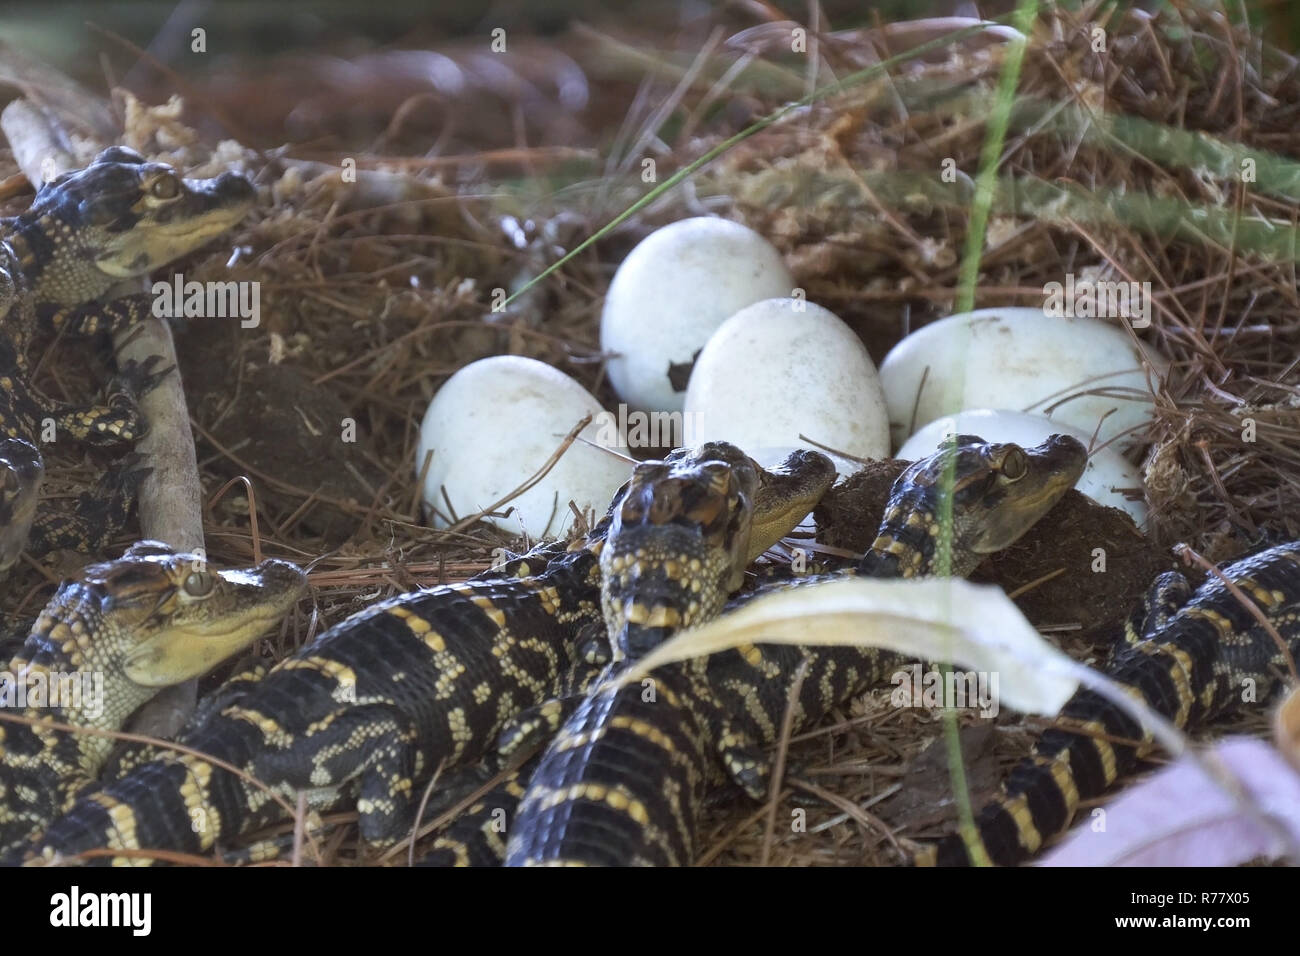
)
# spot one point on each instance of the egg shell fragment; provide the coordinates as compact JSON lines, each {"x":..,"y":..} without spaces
{"x":671,"y":294}
{"x":1107,"y":471}
{"x":1022,"y":359}
{"x":493,"y":425}
{"x":785,"y":367}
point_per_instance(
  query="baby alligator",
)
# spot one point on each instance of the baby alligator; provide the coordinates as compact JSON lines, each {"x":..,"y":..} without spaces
{"x":680,"y":536}
{"x":1191,"y":657}
{"x":624,"y":780}
{"x":118,"y":218}
{"x":106,"y":643}
{"x":366,"y":712}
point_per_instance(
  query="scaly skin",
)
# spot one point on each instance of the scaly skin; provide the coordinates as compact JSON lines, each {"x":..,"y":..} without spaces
{"x":624,"y":781}
{"x":367,"y":711}
{"x":362,"y":715}
{"x":1188,"y":658}
{"x":117,"y":634}
{"x":118,"y":218}
{"x":700,"y":515}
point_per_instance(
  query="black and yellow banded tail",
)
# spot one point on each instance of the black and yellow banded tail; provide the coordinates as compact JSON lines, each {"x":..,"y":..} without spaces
{"x":1042,"y":793}
{"x":624,"y":782}
{"x":478,"y":836}
{"x":364,"y":714}
{"x":1196,"y":662}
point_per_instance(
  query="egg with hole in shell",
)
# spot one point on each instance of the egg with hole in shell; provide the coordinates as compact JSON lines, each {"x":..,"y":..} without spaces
{"x":492,"y":426}
{"x":671,"y":293}
{"x":1026,"y":360}
{"x":782,"y":368}
{"x":1104,"y":480}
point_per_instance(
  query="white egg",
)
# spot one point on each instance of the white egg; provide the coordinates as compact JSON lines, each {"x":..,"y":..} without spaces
{"x":671,"y":293}
{"x":782,"y":368}
{"x":1020,"y":358}
{"x":493,"y":425}
{"x":1105,"y":475}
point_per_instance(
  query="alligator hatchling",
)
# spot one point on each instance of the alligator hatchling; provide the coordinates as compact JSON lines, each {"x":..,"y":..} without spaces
{"x":107,"y":642}
{"x":120,"y":217}
{"x":464,"y":676}
{"x":513,"y":674}
{"x":1188,"y":655}
{"x":624,"y":781}
{"x":368,"y":711}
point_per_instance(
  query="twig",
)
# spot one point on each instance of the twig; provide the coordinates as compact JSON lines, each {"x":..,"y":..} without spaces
{"x":778,"y":765}
{"x":541,"y":473}
{"x":862,"y":816}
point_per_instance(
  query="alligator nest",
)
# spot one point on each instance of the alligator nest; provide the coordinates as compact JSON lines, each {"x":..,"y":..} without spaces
{"x":373,"y":293}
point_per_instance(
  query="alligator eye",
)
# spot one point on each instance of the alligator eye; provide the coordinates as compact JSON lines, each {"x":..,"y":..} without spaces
{"x":199,"y":584}
{"x":165,"y":186}
{"x":1014,"y":465}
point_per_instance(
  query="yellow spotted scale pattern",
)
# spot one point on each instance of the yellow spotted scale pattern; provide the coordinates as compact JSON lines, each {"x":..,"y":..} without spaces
{"x":1191,"y":659}
{"x":624,"y":781}
{"x":680,"y":534}
{"x":72,"y":669}
{"x":361,"y":716}
{"x":50,"y":276}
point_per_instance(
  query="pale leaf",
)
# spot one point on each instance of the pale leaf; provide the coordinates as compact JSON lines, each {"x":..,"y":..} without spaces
{"x":1185,"y":816}
{"x":972,"y":626}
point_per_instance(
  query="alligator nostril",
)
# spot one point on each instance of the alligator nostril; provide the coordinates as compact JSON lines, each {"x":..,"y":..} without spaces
{"x":235,"y":185}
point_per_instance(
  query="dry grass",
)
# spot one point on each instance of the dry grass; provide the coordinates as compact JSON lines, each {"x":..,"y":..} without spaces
{"x":372,"y":295}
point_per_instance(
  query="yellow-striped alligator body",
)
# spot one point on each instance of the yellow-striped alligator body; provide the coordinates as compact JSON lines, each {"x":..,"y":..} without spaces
{"x":624,"y":780}
{"x":680,"y":536}
{"x":364,"y":713}
{"x":118,"y":218}
{"x":1191,"y":660}
{"x":107,"y":642}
